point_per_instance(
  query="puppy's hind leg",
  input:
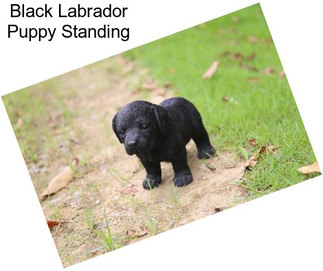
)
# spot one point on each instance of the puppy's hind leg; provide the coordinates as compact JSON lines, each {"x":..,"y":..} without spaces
{"x":204,"y":148}
{"x":153,"y":178}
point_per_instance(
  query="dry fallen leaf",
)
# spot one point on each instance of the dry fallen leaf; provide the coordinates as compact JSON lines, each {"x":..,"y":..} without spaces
{"x":161,"y":92}
{"x":135,"y":92}
{"x":149,"y":84}
{"x":282,"y":73}
{"x":252,"y":142}
{"x":230,"y":100}
{"x":55,"y":116}
{"x":130,"y":232}
{"x":211,"y":70}
{"x":20,"y":122}
{"x":251,"y":162}
{"x":237,"y":56}
{"x":60,"y":180}
{"x":263,"y":149}
{"x":218,"y":209}
{"x":253,"y":39}
{"x":267,"y":41}
{"x":129,"y":191}
{"x":271,"y":148}
{"x":249,"y":67}
{"x":253,"y":79}
{"x":75,"y":140}
{"x":251,"y":56}
{"x":268,"y":70}
{"x":135,"y":234}
{"x":224,"y":54}
{"x":226,"y":98}
{"x":142,"y":233}
{"x":310,"y":169}
{"x":52,"y":223}
{"x":57,"y":132}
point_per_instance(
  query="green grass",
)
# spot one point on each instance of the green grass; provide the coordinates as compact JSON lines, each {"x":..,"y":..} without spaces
{"x":264,"y":110}
{"x":109,"y":242}
{"x":32,"y":106}
{"x":107,"y":239}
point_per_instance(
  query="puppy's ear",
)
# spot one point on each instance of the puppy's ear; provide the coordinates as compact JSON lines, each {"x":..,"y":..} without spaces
{"x":114,"y":126}
{"x":162,"y":118}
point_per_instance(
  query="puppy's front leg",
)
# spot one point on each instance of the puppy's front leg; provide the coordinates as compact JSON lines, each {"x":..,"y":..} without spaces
{"x":153,"y":178}
{"x":183,"y":175}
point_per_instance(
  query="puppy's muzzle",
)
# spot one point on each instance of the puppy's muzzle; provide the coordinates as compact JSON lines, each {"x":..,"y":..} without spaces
{"x":131,"y":146}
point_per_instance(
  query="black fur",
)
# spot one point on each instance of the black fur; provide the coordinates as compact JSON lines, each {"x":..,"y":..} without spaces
{"x":158,"y":133}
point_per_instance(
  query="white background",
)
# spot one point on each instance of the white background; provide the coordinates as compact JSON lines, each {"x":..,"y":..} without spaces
{"x":281,"y":231}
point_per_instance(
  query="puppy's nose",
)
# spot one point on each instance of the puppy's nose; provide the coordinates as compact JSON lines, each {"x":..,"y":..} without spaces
{"x":132,"y":143}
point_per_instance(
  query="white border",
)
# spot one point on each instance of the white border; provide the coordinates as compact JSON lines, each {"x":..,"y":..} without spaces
{"x":281,"y":231}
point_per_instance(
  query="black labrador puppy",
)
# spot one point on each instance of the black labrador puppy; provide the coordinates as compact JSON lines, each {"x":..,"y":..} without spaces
{"x":158,"y":133}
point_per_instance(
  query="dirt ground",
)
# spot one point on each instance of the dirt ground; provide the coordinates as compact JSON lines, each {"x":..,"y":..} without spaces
{"x":107,"y":182}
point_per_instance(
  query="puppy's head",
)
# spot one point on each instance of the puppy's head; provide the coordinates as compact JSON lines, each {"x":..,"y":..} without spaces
{"x":139,"y":125}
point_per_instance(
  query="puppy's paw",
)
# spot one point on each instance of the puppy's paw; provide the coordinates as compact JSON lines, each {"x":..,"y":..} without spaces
{"x":183,"y":178}
{"x":206,"y":152}
{"x":151,"y":181}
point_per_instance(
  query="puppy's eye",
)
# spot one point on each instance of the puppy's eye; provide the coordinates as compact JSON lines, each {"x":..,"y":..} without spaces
{"x":144,"y":126}
{"x":122,"y":131}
